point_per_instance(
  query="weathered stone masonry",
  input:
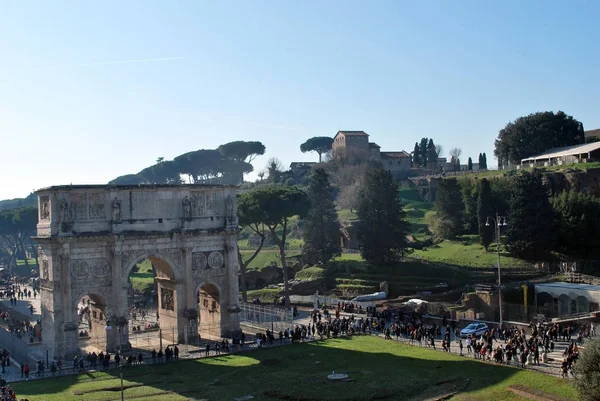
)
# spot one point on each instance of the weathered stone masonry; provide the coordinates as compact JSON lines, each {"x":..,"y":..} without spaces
{"x":91,"y":237}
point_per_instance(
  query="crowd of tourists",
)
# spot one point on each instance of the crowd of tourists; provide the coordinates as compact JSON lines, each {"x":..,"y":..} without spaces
{"x":507,"y":345}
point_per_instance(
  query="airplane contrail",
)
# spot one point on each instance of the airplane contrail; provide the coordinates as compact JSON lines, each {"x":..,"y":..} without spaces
{"x":145,"y":60}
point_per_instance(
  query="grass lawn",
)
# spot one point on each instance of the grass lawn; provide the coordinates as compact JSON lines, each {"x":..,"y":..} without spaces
{"x":265,"y":257}
{"x":467,"y":252}
{"x":266,"y":295}
{"x":31,"y":262}
{"x":380,"y":369}
{"x":143,"y":279}
{"x":415,"y":210}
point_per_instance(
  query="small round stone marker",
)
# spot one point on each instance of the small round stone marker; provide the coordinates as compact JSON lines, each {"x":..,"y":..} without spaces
{"x":337,"y":376}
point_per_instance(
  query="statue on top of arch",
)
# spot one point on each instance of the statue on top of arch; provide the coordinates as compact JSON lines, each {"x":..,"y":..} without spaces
{"x":116,"y":210}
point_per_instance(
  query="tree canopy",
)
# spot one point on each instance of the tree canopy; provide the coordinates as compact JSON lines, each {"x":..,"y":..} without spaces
{"x":449,"y":208}
{"x":536,"y":133}
{"x":587,"y":371}
{"x":277,"y":204}
{"x":383,"y":227}
{"x":576,"y":224}
{"x":321,"y":225}
{"x":16,"y":227}
{"x":249,"y":215}
{"x":242,"y":151}
{"x":485,"y":209}
{"x":318,"y":144}
{"x":204,"y":165}
{"x":530,"y":221}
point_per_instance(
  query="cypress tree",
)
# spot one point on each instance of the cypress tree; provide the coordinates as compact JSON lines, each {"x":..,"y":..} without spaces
{"x":450,"y":208}
{"x":382,"y":229}
{"x":531,"y":218}
{"x":485,"y":208}
{"x":416,"y":156}
{"x":321,"y":226}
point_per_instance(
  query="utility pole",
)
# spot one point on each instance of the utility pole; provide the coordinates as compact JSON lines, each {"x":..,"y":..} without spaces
{"x":498,"y":222}
{"x":499,"y":275}
{"x":122,"y":393}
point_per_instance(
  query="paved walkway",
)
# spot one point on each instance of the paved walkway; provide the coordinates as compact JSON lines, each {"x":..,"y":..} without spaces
{"x":13,"y":372}
{"x":23,"y":305}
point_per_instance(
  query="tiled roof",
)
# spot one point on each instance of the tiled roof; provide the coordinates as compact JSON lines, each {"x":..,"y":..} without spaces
{"x":565,"y":151}
{"x":352,"y":133}
{"x":592,"y":132}
{"x":394,"y":155}
{"x":301,"y":164}
{"x":373,"y":145}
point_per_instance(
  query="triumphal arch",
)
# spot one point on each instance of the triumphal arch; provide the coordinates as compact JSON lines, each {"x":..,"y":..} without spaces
{"x":92,"y":236}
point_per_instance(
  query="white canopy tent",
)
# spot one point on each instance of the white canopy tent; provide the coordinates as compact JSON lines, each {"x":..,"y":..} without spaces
{"x":566,"y":153}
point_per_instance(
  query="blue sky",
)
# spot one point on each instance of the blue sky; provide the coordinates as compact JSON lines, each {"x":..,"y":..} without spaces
{"x":79,"y":105}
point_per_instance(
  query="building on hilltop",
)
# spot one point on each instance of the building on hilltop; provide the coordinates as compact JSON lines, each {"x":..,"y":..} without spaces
{"x":300,"y":169}
{"x":395,"y":161}
{"x":352,"y":142}
{"x":356,"y":143}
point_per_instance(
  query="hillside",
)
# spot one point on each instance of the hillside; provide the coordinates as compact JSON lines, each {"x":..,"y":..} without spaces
{"x":30,"y":200}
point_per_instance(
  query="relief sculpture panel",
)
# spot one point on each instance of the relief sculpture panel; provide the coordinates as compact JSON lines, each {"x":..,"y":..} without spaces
{"x":79,"y":206}
{"x":199,"y":262}
{"x":100,"y":268}
{"x":79,"y":269}
{"x":214,"y":203}
{"x":207,"y":266}
{"x":198,"y":204}
{"x":45,"y":273}
{"x":167,"y":299}
{"x":44,"y":207}
{"x":215,"y":259}
{"x":96,"y":207}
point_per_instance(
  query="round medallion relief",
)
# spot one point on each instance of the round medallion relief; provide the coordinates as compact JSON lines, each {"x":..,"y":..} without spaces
{"x":215,"y":259}
{"x":100,"y":269}
{"x":79,"y":269}
{"x":198,"y":261}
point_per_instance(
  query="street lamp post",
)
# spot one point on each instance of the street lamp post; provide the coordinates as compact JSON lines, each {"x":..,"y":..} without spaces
{"x":499,"y":221}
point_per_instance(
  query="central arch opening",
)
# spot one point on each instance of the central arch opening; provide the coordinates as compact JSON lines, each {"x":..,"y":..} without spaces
{"x":152,"y":304}
{"x":92,"y":320}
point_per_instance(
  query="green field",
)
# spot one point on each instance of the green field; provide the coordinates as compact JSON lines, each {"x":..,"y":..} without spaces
{"x":467,"y":252}
{"x":266,"y":295}
{"x":378,"y":369}
{"x":415,"y":210}
{"x":143,"y":279}
{"x":265,"y":257}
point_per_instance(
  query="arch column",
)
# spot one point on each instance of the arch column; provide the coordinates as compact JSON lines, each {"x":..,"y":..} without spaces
{"x":230,"y":319}
{"x":69,"y":345}
{"x":191,"y":312}
{"x":117,"y":333}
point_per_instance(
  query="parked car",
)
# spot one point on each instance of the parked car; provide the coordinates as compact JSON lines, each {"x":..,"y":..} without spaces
{"x":475,"y":329}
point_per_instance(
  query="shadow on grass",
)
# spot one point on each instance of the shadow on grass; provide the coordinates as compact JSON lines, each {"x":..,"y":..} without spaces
{"x":379,"y":369}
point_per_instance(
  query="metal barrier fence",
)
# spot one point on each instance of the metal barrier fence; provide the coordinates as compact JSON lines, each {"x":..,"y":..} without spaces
{"x":257,"y":317}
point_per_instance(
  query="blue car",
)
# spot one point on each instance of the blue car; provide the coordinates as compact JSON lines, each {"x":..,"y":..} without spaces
{"x":475,"y":329}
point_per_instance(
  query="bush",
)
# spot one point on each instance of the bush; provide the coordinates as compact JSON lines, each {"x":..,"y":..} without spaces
{"x":587,"y":372}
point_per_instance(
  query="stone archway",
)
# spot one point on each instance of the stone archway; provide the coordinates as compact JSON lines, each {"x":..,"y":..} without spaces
{"x":564,"y":305}
{"x":91,"y":237}
{"x":582,"y":304}
{"x":546,"y":301}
